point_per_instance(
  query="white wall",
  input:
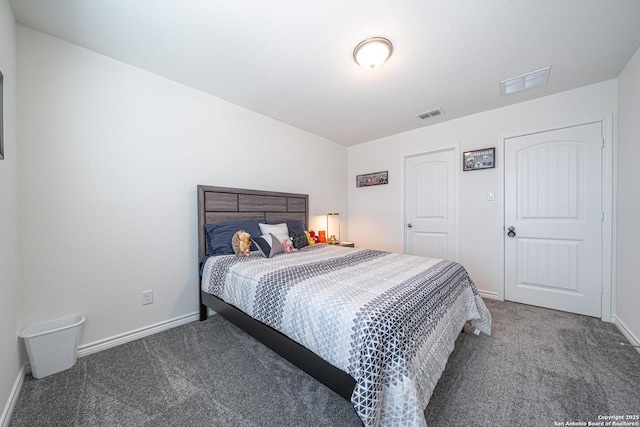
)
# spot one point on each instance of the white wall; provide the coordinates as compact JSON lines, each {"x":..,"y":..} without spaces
{"x":376,"y":213}
{"x":110,"y":159}
{"x":628,"y":205}
{"x":9,"y":239}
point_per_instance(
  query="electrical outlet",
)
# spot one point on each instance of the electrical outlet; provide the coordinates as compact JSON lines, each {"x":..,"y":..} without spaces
{"x":147,"y":297}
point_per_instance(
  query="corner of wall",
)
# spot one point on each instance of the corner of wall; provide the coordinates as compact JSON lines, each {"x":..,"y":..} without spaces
{"x":5,"y":416}
{"x":627,"y":204}
{"x":11,"y":371}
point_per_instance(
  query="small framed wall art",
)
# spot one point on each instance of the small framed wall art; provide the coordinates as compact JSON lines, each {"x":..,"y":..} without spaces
{"x":369,"y":179}
{"x":479,"y":159}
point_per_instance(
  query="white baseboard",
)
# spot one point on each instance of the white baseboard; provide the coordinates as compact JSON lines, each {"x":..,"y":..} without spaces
{"x":487,"y":294}
{"x":94,"y":347}
{"x":630,"y":336}
{"x":13,"y":397}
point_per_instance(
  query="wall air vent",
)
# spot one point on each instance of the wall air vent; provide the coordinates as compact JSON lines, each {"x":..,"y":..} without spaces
{"x":431,"y":113}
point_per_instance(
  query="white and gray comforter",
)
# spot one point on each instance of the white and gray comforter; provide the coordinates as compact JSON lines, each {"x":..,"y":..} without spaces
{"x":388,"y":320}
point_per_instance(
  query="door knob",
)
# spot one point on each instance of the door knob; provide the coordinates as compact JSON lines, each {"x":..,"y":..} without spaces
{"x":409,"y":225}
{"x":512,"y":231}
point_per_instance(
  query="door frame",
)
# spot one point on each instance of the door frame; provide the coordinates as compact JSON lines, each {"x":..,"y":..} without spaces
{"x":403,"y":173}
{"x":607,"y":197}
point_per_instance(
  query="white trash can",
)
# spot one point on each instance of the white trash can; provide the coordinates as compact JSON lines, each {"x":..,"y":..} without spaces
{"x":53,"y":346}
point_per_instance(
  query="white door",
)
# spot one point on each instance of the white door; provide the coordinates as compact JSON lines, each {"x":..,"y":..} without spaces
{"x":431,"y":217}
{"x":553,"y":193}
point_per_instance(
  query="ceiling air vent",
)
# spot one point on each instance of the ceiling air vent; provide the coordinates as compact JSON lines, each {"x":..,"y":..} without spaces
{"x":525,"y":81}
{"x":431,"y":113}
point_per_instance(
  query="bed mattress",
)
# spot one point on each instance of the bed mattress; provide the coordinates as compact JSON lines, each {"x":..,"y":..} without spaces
{"x":388,"y":320}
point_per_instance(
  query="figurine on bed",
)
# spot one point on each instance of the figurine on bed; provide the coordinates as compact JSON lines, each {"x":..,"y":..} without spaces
{"x":310,"y":240}
{"x":241,"y":243}
{"x":287,"y":244}
{"x":314,"y":237}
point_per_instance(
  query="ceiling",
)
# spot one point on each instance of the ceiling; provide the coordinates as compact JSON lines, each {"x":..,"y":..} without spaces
{"x":292,"y":60}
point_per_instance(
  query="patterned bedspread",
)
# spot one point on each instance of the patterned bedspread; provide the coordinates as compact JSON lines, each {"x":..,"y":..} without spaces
{"x":389,"y":320}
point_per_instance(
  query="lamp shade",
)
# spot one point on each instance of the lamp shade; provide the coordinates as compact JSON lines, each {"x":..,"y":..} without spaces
{"x":373,"y":52}
{"x":333,"y":227}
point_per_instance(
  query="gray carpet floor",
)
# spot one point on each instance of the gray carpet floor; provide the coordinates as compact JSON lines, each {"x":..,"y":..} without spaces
{"x":539,"y":367}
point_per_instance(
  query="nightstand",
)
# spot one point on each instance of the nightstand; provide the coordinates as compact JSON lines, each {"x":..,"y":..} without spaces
{"x":347,"y":244}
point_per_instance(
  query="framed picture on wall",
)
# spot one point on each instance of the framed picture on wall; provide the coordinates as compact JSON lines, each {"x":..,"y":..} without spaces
{"x":375,"y":178}
{"x":479,"y":159}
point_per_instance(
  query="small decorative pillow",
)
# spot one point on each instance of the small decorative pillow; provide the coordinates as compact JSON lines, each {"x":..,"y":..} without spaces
{"x":299,"y":238}
{"x":269,"y":245}
{"x":281,"y":231}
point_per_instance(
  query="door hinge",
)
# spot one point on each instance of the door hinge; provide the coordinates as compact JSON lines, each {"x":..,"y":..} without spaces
{"x":602,"y":143}
{"x":602,"y":217}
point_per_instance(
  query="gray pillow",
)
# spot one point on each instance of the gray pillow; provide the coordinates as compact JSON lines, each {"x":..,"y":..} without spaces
{"x":268,"y":245}
{"x":299,"y":238}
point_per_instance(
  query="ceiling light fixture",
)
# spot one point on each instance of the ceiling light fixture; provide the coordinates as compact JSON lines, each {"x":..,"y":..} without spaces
{"x":372,"y":52}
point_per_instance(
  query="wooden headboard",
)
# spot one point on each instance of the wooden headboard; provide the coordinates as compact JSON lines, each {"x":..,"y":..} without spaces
{"x":218,"y":204}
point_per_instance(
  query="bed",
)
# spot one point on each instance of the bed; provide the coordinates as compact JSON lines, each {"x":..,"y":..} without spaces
{"x":375,"y":327}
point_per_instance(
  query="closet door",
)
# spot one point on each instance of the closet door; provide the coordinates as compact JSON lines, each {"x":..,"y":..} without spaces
{"x":553,"y":219}
{"x":431,"y":205}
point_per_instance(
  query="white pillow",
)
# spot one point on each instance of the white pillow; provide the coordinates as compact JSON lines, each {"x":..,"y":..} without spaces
{"x":268,"y":245}
{"x":281,"y":231}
